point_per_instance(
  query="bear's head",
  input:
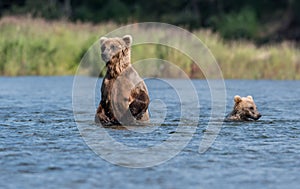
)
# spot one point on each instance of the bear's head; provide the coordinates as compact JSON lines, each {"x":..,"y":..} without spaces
{"x":115,"y":52}
{"x":245,"y":108}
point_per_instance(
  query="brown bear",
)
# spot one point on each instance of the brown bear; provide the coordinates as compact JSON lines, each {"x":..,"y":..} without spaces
{"x":244,"y":110}
{"x":124,"y":95}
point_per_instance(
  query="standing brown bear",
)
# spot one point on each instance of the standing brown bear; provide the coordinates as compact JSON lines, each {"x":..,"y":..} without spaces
{"x":124,"y":95}
{"x":244,"y":110}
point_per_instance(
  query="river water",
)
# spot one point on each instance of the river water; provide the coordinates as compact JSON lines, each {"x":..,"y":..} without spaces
{"x":42,"y":147}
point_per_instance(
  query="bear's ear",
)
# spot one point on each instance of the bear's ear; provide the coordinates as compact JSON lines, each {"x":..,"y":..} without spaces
{"x":250,"y":98}
{"x":237,"y":99}
{"x":128,"y":40}
{"x":102,"y":39}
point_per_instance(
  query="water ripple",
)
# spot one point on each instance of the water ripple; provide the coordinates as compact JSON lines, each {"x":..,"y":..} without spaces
{"x":41,"y":146}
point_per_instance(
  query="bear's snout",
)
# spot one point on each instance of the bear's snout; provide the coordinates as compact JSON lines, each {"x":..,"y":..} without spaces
{"x":258,"y":116}
{"x":105,"y":57}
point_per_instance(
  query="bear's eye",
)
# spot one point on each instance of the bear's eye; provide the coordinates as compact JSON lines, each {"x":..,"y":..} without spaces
{"x":251,"y":108}
{"x":103,"y":48}
{"x":112,"y":47}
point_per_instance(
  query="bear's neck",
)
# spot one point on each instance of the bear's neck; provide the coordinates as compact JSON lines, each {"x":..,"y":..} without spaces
{"x":118,"y":64}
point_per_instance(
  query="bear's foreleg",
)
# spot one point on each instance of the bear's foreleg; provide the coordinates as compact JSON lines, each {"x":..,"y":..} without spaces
{"x":139,"y":102}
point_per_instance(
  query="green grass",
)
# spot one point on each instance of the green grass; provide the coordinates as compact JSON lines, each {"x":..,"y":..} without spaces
{"x":243,"y":60}
{"x":38,"y":47}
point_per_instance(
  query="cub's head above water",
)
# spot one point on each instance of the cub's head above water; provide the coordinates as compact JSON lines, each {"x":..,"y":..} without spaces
{"x":244,"y":110}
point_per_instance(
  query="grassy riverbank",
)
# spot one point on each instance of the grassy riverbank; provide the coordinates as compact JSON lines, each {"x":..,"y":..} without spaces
{"x":37,"y":47}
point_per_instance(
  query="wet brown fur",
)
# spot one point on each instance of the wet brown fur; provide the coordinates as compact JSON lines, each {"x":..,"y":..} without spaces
{"x":124,"y":95}
{"x":244,"y":110}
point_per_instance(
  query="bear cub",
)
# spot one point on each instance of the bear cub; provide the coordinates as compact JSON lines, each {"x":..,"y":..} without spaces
{"x":244,"y":110}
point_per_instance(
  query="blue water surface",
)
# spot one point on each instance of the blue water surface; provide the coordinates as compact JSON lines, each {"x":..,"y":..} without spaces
{"x":41,"y":146}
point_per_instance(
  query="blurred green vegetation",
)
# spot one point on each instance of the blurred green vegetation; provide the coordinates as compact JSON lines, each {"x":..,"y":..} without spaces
{"x":243,"y":24}
{"x":251,"y":39}
{"x":38,"y":47}
{"x":259,"y":20}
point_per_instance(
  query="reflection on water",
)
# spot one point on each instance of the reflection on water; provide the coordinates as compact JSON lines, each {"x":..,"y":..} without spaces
{"x":41,"y":145}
